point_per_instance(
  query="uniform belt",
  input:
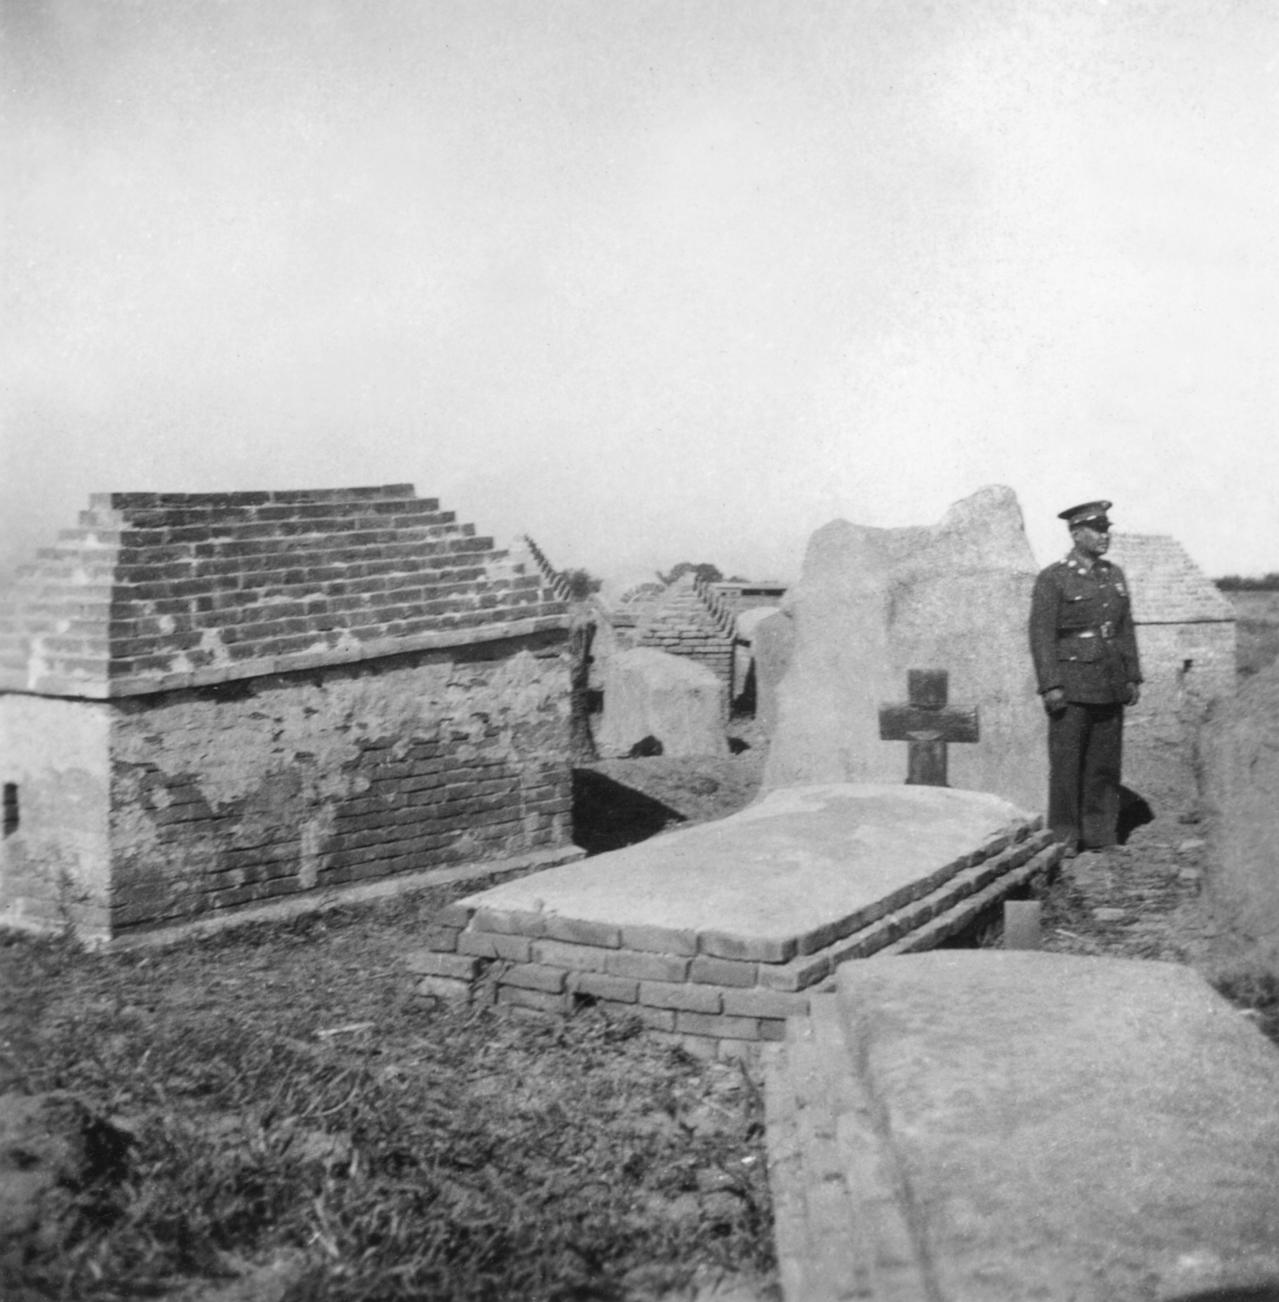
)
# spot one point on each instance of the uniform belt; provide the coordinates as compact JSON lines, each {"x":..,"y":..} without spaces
{"x":1105,"y":631}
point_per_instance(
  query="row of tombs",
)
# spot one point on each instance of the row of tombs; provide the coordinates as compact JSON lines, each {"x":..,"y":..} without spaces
{"x":212,"y":704}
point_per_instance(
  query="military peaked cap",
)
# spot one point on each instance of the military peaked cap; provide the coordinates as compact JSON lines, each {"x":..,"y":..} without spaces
{"x":1089,"y":514}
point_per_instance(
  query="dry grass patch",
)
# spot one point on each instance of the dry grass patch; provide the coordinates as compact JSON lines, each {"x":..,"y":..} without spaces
{"x":283,"y":1095}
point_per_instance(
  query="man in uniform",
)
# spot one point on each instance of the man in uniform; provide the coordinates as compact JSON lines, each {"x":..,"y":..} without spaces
{"x":1085,"y":654}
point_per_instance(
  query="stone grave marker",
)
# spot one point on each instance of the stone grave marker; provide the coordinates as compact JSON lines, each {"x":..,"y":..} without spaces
{"x":927,"y":725}
{"x":871,"y":605}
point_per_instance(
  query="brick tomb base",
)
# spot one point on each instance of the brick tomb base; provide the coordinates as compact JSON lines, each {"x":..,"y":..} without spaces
{"x":717,"y":933}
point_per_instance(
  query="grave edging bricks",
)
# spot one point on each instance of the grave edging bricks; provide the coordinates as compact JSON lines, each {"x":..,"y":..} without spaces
{"x":701,"y":995}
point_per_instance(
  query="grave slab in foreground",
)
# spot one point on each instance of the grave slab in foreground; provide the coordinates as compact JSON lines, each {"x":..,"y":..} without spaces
{"x":719,"y":930}
{"x":1010,"y":1125}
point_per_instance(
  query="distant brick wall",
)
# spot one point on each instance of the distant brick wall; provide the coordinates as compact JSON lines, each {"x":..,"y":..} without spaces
{"x":1187,"y":667}
{"x":689,"y":621}
{"x":1186,"y":636}
{"x":741,"y":594}
{"x":215,"y":701}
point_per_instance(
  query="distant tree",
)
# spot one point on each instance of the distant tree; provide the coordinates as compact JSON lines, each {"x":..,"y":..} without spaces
{"x":641,"y":590}
{"x":581,"y":583}
{"x":1246,"y":583}
{"x":702,"y":570}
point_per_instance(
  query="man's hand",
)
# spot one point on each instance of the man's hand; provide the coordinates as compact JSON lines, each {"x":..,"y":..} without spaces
{"x":1134,"y":693}
{"x":1055,"y":700}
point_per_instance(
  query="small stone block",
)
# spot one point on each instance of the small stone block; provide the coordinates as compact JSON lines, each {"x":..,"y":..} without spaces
{"x":431,"y":963}
{"x":510,"y":922}
{"x":600,"y":986}
{"x":722,"y":971}
{"x":996,"y":845}
{"x":747,"y":1051}
{"x":444,"y":988}
{"x":452,"y":915}
{"x":772,"y":1028}
{"x":491,"y":944}
{"x":534,"y":976}
{"x":580,"y":931}
{"x":671,"y":994}
{"x":654,"y":1019}
{"x":443,"y":939}
{"x":580,"y":958}
{"x":696,"y":1046}
{"x":659,"y":940}
{"x":647,"y":967}
{"x":722,"y":1028}
{"x":537,"y":1000}
{"x":1021,"y":924}
{"x":765,"y":1003}
{"x":759,"y":949}
{"x":798,"y":974}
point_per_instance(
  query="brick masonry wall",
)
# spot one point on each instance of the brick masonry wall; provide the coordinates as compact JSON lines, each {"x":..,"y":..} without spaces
{"x":156,"y":591}
{"x":682,"y":624}
{"x":712,"y":990}
{"x":249,"y":792}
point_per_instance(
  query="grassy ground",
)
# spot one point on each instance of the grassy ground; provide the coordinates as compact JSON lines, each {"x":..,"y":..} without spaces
{"x":281,"y":1109}
{"x":279,"y":1115}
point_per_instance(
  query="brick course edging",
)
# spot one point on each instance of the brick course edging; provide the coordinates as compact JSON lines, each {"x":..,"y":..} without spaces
{"x":704,"y":984}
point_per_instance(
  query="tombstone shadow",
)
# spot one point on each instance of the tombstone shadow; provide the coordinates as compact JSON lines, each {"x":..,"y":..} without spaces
{"x":1134,"y":812}
{"x":608,"y":815}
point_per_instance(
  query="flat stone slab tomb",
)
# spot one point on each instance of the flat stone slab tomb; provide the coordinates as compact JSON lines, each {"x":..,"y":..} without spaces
{"x":718,"y":932}
{"x":996,"y":1126}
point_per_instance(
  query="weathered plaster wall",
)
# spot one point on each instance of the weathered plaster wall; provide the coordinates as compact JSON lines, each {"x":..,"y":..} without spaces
{"x":241,"y":793}
{"x":1186,"y":667}
{"x":54,"y":862}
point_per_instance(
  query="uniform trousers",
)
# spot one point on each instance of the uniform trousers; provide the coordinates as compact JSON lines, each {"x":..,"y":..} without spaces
{"x":1085,"y":753}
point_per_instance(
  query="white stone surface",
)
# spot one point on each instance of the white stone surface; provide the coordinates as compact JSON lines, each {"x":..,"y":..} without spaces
{"x":873,"y":604}
{"x":648,"y":693}
{"x":781,"y":868}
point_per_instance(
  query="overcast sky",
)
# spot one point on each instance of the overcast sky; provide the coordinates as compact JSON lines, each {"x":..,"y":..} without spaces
{"x":651,"y":280}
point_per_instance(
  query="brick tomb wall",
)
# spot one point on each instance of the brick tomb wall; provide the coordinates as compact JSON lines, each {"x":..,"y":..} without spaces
{"x":684,"y":623}
{"x":278,"y":786}
{"x":249,"y":696}
{"x":711,"y":990}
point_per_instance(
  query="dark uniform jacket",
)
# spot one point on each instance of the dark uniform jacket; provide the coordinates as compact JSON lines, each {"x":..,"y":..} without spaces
{"x":1081,"y":632}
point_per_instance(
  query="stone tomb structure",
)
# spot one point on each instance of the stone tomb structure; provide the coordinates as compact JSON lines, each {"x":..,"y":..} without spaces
{"x":1239,"y":766}
{"x":874,"y":605}
{"x":650,"y":696}
{"x":691,"y":620}
{"x":1186,"y":634}
{"x":716,"y":933}
{"x":211,"y":702}
{"x":1001,"y":1126}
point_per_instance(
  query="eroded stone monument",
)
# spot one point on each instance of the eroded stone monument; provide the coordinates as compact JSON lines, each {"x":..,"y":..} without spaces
{"x":672,"y":699}
{"x":875,"y":604}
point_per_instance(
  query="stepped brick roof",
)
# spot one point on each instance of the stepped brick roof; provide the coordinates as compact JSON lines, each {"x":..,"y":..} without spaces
{"x":1167,"y":586}
{"x":688,"y":605}
{"x":155,"y":591}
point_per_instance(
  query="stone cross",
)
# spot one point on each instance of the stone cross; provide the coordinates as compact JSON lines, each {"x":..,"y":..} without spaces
{"x":927,"y":725}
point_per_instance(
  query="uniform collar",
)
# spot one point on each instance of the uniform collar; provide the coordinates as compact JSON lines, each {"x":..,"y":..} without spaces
{"x":1072,"y":562}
